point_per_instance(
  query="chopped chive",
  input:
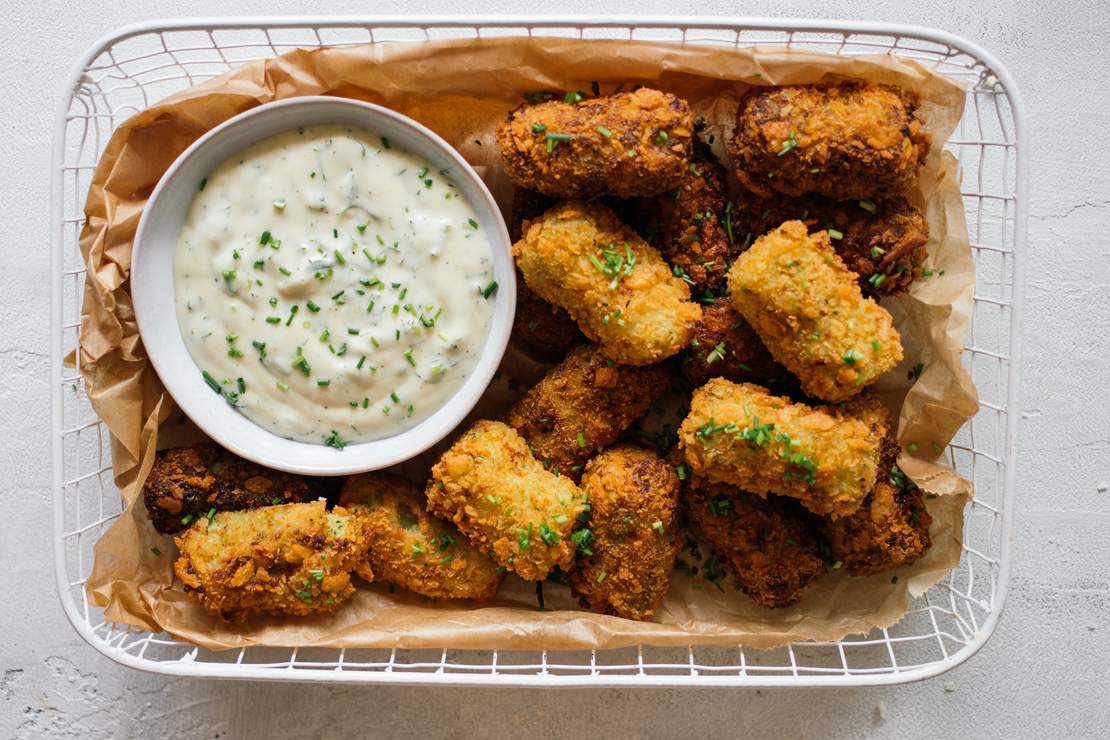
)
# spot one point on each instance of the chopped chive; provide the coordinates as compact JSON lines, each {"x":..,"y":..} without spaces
{"x":339,"y":257}
{"x":661,"y":137}
{"x":361,"y":361}
{"x":322,"y":382}
{"x":212,"y":382}
{"x":581,"y":439}
{"x":312,"y":306}
{"x":409,"y":358}
{"x":788,"y":145}
{"x":285,"y":271}
{"x":867,"y":205}
{"x":539,"y":128}
{"x":279,"y":205}
{"x":490,"y":289}
{"x":282,"y":387}
{"x":834,"y":234}
{"x":203,"y":184}
{"x":265,"y":238}
{"x":394,"y":397}
{"x":472,"y":223}
{"x":352,"y":332}
{"x":605,"y":132}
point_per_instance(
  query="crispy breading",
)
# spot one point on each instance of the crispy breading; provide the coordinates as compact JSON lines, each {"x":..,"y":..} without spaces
{"x":808,"y":309}
{"x":504,"y":501}
{"x":617,"y":287}
{"x":739,"y":433}
{"x":412,"y":549}
{"x":540,"y":327}
{"x":629,"y":144}
{"x":844,"y":140}
{"x":881,"y":240}
{"x":187,"y":482}
{"x":768,"y":544}
{"x":293,"y":559}
{"x":691,"y":225}
{"x":726,"y":346}
{"x":891,"y":527}
{"x":633,"y":511}
{"x":889,"y":530}
{"x":582,"y":405}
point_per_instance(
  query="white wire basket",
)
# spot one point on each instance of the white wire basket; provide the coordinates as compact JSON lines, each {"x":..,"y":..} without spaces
{"x":138,"y":65}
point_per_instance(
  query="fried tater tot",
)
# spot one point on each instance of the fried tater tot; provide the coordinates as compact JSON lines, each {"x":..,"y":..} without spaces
{"x":633,"y":510}
{"x":726,"y":346}
{"x":619,"y":290}
{"x":504,"y":501}
{"x":188,"y":482}
{"x":293,"y":559}
{"x":768,"y":544}
{"x":889,"y":530}
{"x":844,"y":140}
{"x":739,"y":433}
{"x":691,"y":225}
{"x":881,"y":240}
{"x":808,"y":310}
{"x":547,"y":331}
{"x":629,"y":144}
{"x":582,"y":405}
{"x":412,"y":549}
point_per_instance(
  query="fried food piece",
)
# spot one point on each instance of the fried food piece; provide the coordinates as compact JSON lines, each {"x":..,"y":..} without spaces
{"x":504,"y":501}
{"x":546,"y":330}
{"x":844,"y":140}
{"x":768,"y":544}
{"x":633,"y":511}
{"x":582,"y":405}
{"x":412,"y":549}
{"x":619,"y":290}
{"x":188,"y":482}
{"x":691,"y":225}
{"x":881,"y":240}
{"x":739,"y":433}
{"x":292,"y":559}
{"x":808,"y":310}
{"x":889,"y":530}
{"x":726,"y":346}
{"x":629,"y":144}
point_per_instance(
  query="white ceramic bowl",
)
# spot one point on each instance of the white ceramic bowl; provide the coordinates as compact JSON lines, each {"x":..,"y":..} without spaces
{"x":152,"y":287}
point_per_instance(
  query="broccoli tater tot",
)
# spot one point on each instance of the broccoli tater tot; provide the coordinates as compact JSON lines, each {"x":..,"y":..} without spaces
{"x":293,"y":559}
{"x":808,"y":310}
{"x":504,"y":501}
{"x":691,"y":225}
{"x":582,"y":405}
{"x":633,"y":502}
{"x":188,"y":482}
{"x":619,"y":290}
{"x":412,"y":549}
{"x":881,"y":240}
{"x":768,"y":544}
{"x":629,"y":144}
{"x":845,"y":140}
{"x":738,"y":433}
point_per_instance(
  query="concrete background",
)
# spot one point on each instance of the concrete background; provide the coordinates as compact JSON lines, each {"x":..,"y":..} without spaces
{"x":1044,"y":674}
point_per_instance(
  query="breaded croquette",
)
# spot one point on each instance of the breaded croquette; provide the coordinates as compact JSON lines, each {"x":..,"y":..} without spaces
{"x":504,"y":501}
{"x":619,"y":290}
{"x":582,"y":405}
{"x":881,"y":240}
{"x":807,"y":308}
{"x":412,"y":549}
{"x":692,"y":224}
{"x":629,"y":144}
{"x":738,"y":433}
{"x":293,"y":559}
{"x":726,"y":346}
{"x":633,"y":511}
{"x":189,"y":482}
{"x":845,"y":140}
{"x":545,"y":330}
{"x":768,"y":544}
{"x":890,"y":529}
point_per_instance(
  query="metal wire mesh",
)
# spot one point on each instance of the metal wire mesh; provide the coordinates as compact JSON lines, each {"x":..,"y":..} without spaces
{"x":136,"y":67}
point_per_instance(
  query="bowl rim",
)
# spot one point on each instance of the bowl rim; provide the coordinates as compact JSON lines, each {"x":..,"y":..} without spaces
{"x":356,"y":457}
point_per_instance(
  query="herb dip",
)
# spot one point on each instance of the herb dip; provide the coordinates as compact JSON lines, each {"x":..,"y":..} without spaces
{"x":331,"y":286}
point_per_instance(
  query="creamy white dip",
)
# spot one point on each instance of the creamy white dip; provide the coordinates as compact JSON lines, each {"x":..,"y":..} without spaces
{"x":331,"y":286}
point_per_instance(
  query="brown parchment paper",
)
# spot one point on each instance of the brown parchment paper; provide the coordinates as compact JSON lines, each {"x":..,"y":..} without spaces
{"x":462,"y":89}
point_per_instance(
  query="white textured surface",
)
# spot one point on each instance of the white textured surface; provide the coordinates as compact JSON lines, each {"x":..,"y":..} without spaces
{"x":1046,"y":672}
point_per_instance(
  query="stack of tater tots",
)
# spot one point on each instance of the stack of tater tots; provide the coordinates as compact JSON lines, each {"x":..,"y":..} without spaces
{"x":648,"y":267}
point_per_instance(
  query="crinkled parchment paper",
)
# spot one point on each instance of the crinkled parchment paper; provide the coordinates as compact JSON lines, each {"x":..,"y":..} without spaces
{"x":462,"y":89}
